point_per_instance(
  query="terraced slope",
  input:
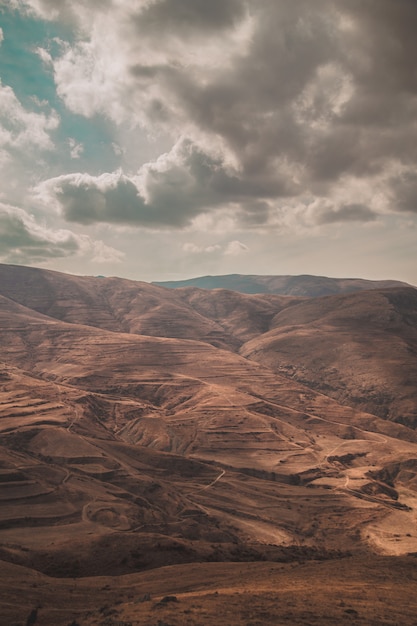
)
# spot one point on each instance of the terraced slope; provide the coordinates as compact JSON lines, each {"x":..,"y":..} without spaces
{"x":123,"y":452}
{"x":360,"y":349}
{"x":134,"y":307}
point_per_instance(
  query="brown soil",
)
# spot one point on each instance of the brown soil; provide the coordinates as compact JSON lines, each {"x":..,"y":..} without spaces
{"x":172,"y":465}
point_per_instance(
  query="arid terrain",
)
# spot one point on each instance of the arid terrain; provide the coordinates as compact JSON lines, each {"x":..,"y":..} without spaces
{"x":185,"y":456}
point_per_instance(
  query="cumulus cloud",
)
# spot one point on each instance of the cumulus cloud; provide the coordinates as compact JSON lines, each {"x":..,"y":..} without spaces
{"x":170,"y":191}
{"x":76,"y":149}
{"x":231,"y":248}
{"x":88,"y":199}
{"x":24,"y":240}
{"x":22,"y":130}
{"x":234,"y":248}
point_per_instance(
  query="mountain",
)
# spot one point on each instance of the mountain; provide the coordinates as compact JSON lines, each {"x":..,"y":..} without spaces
{"x":126,"y":306}
{"x":360,"y":349}
{"x":227,"y":449}
{"x":304,"y":285}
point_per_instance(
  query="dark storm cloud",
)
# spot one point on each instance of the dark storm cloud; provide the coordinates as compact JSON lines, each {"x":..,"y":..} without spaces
{"x":386,"y":45}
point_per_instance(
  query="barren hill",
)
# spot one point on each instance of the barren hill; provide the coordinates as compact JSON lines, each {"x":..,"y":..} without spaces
{"x":136,"y":437}
{"x":225,"y":318}
{"x":361,"y":349}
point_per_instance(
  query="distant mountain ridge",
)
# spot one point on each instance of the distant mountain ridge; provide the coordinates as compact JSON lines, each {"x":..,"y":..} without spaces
{"x":303,"y":285}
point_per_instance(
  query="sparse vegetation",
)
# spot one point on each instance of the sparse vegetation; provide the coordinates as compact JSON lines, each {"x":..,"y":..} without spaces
{"x":130,"y":449}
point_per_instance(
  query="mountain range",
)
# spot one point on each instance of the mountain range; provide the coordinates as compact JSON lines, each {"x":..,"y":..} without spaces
{"x":304,"y":285}
{"x":216,"y":448}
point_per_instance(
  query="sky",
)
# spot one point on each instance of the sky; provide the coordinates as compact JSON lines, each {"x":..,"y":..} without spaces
{"x":167,"y":139}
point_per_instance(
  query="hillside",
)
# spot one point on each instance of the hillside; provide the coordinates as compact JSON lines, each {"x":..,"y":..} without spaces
{"x":144,"y":429}
{"x":128,"y":306}
{"x":360,"y":349}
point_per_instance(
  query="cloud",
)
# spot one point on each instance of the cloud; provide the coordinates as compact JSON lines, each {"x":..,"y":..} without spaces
{"x":403,"y":188}
{"x":27,"y":138}
{"x":192,"y":248}
{"x":89,"y":199}
{"x":71,"y":12}
{"x":99,"y":251}
{"x":22,"y":130}
{"x":235,"y":248}
{"x":170,"y":191}
{"x":384,"y":58}
{"x":231,"y":248}
{"x":190,"y":17}
{"x":24,"y":240}
{"x":275,"y":101}
{"x":346,"y":213}
{"x":76,"y":149}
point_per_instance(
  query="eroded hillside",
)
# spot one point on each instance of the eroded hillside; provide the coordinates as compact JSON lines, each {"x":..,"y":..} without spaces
{"x":142,"y":427}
